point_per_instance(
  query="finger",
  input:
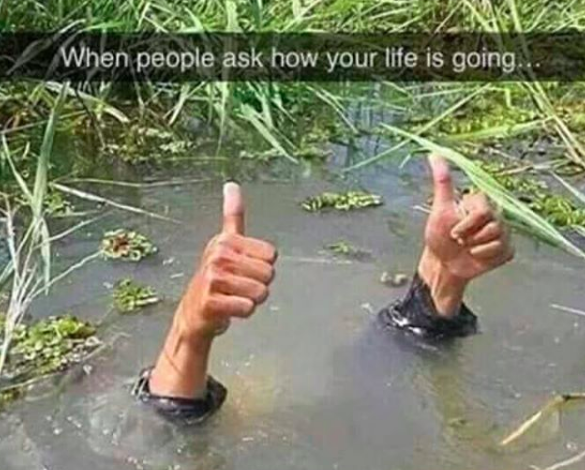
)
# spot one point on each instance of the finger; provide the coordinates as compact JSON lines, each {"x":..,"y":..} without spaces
{"x":491,"y":250}
{"x":442,"y":181}
{"x":233,"y":209}
{"x":252,"y":268}
{"x":251,"y":247}
{"x":231,"y":284}
{"x":232,"y":306}
{"x":475,"y":201}
{"x":489,"y":232}
{"x":478,"y":213}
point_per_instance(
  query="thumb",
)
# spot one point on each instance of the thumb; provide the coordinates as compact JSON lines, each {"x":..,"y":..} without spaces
{"x":442,"y":181}
{"x":233,"y":209}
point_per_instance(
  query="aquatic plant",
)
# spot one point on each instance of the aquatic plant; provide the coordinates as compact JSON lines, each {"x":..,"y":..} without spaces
{"x":45,"y":347}
{"x":48,"y":345}
{"x":130,"y":296}
{"x":557,"y":209}
{"x":134,"y":144}
{"x":56,"y":204}
{"x":350,"y":200}
{"x":29,"y":267}
{"x":342,"y":248}
{"x":126,"y":245}
{"x":460,"y":112}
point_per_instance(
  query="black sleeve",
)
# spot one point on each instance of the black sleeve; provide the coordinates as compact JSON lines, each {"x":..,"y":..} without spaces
{"x":417,"y":314}
{"x":181,"y":410}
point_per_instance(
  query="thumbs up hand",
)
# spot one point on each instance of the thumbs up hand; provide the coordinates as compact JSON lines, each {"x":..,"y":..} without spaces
{"x":233,"y":276}
{"x":463,"y":240}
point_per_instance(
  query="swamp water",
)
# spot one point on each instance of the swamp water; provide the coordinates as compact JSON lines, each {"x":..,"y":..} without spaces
{"x":313,"y":384}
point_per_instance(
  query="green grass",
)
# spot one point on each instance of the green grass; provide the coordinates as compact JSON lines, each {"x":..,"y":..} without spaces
{"x":464,"y":118}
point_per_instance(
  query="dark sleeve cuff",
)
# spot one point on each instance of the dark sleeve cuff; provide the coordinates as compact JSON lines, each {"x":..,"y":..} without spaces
{"x":181,"y":410}
{"x":417,"y":314}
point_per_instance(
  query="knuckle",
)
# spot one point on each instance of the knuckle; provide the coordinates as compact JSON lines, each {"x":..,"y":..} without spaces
{"x":226,"y":240}
{"x":214,"y":277}
{"x":221,"y":255}
{"x":484,"y":213}
{"x":212,"y":304}
{"x":496,"y":228}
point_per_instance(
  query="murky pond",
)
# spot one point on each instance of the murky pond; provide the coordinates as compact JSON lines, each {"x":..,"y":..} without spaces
{"x":313,"y":382}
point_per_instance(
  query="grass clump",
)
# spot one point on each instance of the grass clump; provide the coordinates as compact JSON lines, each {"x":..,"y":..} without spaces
{"x":350,"y":200}
{"x":130,"y":296}
{"x":126,"y":245}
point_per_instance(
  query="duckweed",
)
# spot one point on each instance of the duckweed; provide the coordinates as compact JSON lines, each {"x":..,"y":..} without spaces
{"x":342,"y":248}
{"x":130,"y":296}
{"x":46,"y":346}
{"x":126,"y":245}
{"x":350,"y":200}
{"x":557,"y":209}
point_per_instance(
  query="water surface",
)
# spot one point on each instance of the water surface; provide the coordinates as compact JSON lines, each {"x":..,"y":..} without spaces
{"x":313,"y":383}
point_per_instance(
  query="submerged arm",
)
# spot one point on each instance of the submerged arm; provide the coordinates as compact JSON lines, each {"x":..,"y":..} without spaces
{"x":463,"y":240}
{"x":232,"y":280}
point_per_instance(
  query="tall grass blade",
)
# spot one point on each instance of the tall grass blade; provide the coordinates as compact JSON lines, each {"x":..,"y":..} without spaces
{"x":501,"y":196}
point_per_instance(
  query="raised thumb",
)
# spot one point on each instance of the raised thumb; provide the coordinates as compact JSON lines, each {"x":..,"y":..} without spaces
{"x":442,"y":181}
{"x":233,"y":209}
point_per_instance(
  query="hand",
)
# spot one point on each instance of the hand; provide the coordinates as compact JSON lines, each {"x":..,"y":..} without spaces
{"x":463,"y":240}
{"x":232,"y":280}
{"x":233,"y":277}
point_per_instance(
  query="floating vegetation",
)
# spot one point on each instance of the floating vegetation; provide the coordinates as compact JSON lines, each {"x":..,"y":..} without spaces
{"x":346,"y":250}
{"x":127,"y":245}
{"x":47,"y":346}
{"x":8,"y":396}
{"x":394,"y":279}
{"x":487,"y":112}
{"x":342,"y":248}
{"x":557,"y":209}
{"x":130,"y":296}
{"x":342,"y":201}
{"x":135,"y":145}
{"x":56,"y":204}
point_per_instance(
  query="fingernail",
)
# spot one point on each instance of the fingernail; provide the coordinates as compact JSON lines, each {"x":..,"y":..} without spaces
{"x":230,"y":188}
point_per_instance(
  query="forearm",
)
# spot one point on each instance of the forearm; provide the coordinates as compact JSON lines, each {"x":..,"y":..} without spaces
{"x":181,"y":368}
{"x":446,"y":290}
{"x":433,"y":307}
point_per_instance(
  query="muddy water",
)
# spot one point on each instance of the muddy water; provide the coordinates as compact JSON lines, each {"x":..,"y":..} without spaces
{"x":313,"y":383}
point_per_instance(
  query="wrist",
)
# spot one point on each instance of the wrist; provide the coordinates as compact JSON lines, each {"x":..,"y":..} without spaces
{"x":181,"y":368}
{"x":446,"y":289}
